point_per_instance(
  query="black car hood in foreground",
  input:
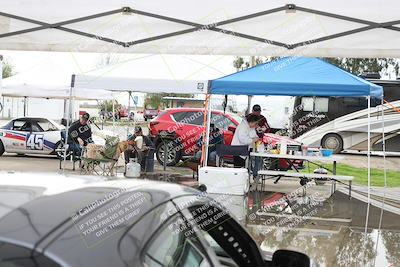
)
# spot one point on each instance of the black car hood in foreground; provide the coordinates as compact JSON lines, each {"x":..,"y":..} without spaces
{"x":55,"y":224}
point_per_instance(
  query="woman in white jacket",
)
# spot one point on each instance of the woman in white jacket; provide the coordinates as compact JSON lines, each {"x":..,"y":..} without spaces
{"x":245,"y":134}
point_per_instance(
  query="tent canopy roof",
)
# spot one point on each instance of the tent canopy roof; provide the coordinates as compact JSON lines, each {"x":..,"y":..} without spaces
{"x":153,"y":74}
{"x":295,"y":76}
{"x":346,"y":28}
{"x":58,"y":93}
{"x":47,"y":82}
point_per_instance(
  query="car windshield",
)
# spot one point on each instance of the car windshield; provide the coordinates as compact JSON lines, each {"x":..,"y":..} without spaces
{"x":47,"y":126}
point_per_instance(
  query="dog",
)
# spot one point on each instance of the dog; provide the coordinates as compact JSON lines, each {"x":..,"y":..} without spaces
{"x":121,"y":148}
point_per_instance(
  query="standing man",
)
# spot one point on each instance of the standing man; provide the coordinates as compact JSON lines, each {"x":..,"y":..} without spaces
{"x":262,"y":126}
{"x":79,"y":135}
{"x":245,"y":134}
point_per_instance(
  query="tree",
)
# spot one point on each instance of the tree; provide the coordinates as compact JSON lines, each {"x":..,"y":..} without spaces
{"x":107,"y":105}
{"x":238,"y":63}
{"x":107,"y":59}
{"x":153,"y":100}
{"x":7,"y":69}
{"x":358,"y":66}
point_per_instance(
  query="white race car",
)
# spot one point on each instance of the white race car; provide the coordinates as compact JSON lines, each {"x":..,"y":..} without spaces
{"x":30,"y":136}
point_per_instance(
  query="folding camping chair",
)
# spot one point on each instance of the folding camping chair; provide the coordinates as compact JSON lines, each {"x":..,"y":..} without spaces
{"x":64,"y":150}
{"x":103,"y":165}
{"x":226,"y":152}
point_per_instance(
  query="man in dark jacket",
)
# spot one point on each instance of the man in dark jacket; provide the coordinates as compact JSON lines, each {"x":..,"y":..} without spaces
{"x":79,"y":135}
{"x":262,"y":125}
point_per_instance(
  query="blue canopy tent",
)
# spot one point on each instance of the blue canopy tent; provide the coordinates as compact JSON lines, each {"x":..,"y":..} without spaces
{"x":296,"y":76}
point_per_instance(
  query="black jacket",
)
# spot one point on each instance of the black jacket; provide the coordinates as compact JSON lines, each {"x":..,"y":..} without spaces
{"x":78,"y":130}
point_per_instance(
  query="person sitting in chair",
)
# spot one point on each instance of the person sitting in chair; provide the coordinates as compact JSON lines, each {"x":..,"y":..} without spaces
{"x":79,"y":135}
{"x":216,"y":137}
{"x":140,"y":147}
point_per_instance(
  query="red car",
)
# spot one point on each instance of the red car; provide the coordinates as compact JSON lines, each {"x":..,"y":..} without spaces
{"x":182,"y":127}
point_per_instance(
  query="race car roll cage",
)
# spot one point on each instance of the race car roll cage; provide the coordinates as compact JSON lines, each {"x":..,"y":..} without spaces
{"x":369,"y":25}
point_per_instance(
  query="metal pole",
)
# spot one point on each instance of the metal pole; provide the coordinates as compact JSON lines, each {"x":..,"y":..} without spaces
{"x":113,"y":112}
{"x":4,"y":105}
{"x":165,"y":155}
{"x":68,"y":118}
{"x":207,"y":139}
{"x":129,"y":107}
{"x":369,"y":171}
{"x":1,"y":82}
{"x":249,"y":97}
{"x":24,"y":106}
{"x":384,"y":175}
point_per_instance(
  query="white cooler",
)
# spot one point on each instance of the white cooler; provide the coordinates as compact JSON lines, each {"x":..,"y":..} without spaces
{"x":230,"y":181}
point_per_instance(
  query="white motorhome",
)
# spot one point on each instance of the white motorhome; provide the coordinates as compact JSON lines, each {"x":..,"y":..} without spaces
{"x":340,"y":123}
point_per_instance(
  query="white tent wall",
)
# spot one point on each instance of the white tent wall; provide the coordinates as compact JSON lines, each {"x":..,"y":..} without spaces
{"x":54,"y":108}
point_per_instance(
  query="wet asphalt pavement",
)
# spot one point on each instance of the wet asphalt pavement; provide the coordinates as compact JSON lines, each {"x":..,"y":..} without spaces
{"x":328,"y":228}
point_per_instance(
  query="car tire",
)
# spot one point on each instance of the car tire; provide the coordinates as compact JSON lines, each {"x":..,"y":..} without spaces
{"x":2,"y":150}
{"x":174,"y":153}
{"x":332,"y":141}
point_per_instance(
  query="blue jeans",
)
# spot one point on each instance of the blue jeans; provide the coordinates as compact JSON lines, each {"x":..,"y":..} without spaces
{"x":76,"y":150}
{"x":257,"y":164}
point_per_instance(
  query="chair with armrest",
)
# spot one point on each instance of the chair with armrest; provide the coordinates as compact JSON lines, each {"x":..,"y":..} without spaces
{"x":226,"y":152}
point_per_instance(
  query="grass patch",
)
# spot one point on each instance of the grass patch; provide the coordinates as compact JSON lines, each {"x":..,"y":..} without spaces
{"x":360,"y":175}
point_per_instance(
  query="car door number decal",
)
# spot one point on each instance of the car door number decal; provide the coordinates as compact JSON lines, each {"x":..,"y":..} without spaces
{"x":35,"y":142}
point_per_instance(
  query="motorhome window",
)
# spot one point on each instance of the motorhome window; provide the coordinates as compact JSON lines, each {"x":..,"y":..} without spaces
{"x":356,"y":102}
{"x":307,"y":103}
{"x":321,"y":104}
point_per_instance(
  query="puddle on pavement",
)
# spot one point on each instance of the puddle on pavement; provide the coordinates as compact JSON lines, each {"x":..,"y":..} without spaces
{"x":331,"y":231}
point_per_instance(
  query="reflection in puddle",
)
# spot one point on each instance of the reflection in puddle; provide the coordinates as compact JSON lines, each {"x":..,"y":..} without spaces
{"x":344,"y":248}
{"x":331,"y":231}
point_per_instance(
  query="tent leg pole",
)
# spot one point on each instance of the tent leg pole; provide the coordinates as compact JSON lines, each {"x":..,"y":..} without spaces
{"x":129,"y":107}
{"x":369,"y":171}
{"x":25,"y":106}
{"x":207,"y":135}
{"x":113,"y":112}
{"x":68,"y":119}
{"x":384,"y":175}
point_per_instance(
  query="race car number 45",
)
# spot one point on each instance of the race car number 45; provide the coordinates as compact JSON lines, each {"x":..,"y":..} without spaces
{"x":35,"y":141}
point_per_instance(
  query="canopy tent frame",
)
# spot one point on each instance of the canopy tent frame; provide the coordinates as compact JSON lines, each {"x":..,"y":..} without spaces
{"x":367,"y":25}
{"x":368,"y":97}
{"x":207,"y":138}
{"x":140,"y":85}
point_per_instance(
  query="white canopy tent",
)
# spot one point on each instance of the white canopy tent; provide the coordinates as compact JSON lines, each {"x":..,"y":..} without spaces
{"x":352,"y":28}
{"x":153,"y":74}
{"x":61,"y":93}
{"x":47,"y":82}
{"x":156,"y":75}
